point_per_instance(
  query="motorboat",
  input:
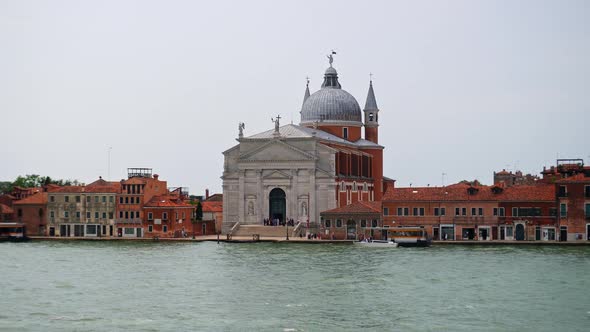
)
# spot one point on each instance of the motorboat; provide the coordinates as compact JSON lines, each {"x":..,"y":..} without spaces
{"x":377,"y":243}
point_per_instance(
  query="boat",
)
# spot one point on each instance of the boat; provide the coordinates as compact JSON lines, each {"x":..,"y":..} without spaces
{"x":377,"y":243}
{"x":409,"y":236}
{"x":12,"y":232}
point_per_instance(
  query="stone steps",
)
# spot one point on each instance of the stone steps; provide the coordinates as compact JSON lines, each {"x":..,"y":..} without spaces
{"x":263,"y":231}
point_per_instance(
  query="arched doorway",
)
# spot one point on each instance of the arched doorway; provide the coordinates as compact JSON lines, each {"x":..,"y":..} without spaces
{"x":351,"y":230}
{"x":277,"y":207}
{"x":519,"y":233}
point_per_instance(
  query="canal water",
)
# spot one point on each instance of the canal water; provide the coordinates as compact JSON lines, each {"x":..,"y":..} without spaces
{"x":139,"y":286}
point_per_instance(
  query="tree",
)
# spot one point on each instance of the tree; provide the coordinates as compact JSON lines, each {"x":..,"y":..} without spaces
{"x":35,"y":180}
{"x":5,"y":187}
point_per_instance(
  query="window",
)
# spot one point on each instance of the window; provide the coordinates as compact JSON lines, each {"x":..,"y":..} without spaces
{"x":338,"y":222}
{"x":126,"y":200}
{"x":183,"y":215}
{"x":406,"y":211}
{"x":78,"y":214}
{"x":515,"y":212}
{"x":457,"y":211}
{"x":587,"y":191}
{"x":95,"y":199}
{"x":66,"y":199}
{"x":52,"y":214}
{"x":371,"y":116}
{"x":345,"y":132}
{"x":52,"y":198}
{"x":66,"y":214}
{"x":436,"y":212}
{"x":563,"y":210}
{"x":421,"y":211}
{"x":176,"y":215}
{"x":386,"y":211}
{"x":501,"y":211}
{"x":104,"y":215}
{"x":150,"y":228}
{"x":587,"y":210}
{"x":363,"y":223}
{"x":150,"y":216}
{"x":126,"y":214}
{"x":88,"y":215}
{"x":165,"y":228}
{"x":400,"y":212}
{"x":328,"y":223}
{"x":415,"y":211}
{"x":354,"y":186}
{"x":111,"y":215}
{"x":136,"y":214}
{"x":77,"y":199}
{"x":104,"y":199}
{"x":480,"y":211}
{"x":473,"y":210}
{"x":87,"y":199}
{"x":495,"y":211}
{"x":562,"y":191}
{"x":374,"y":223}
{"x":129,"y":231}
{"x":418,"y":211}
{"x":121,"y":214}
{"x":464,"y":211}
{"x":120,"y":200}
{"x":96,"y":214}
{"x":164,"y":215}
{"x":111,"y":199}
{"x":553,"y":212}
{"x":443,"y":211}
{"x":91,"y":229}
{"x":365,"y":187}
{"x":342,"y":186}
{"x":509,"y":232}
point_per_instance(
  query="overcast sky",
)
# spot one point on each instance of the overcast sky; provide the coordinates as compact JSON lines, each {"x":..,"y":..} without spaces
{"x":464,"y":87}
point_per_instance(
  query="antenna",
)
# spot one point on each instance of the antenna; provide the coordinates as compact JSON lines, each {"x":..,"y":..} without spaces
{"x":443,"y":178}
{"x":109,"y":163}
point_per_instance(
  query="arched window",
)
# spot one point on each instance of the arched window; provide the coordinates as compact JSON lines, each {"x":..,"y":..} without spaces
{"x":363,"y":223}
{"x":354,"y":187}
{"x":374,"y":223}
{"x":342,"y":186}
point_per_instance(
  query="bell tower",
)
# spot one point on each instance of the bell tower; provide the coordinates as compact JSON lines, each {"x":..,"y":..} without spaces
{"x":371,"y":116}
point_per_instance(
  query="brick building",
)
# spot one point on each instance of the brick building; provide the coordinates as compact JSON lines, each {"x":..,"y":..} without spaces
{"x":355,"y":221}
{"x":573,"y":199}
{"x":32,"y":211}
{"x":168,"y":216}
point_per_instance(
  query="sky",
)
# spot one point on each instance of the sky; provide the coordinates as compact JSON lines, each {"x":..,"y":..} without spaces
{"x":465,"y":88}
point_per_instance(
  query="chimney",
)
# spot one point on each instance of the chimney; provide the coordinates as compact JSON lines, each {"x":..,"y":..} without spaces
{"x":156,"y":176}
{"x":206,"y":193}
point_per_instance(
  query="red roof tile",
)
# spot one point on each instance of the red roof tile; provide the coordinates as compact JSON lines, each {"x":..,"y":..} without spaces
{"x":357,"y":208}
{"x":167,"y":201}
{"x":38,"y":198}
{"x":5,"y":209}
{"x":575,"y":178}
{"x":212,"y":206}
{"x":465,"y":192}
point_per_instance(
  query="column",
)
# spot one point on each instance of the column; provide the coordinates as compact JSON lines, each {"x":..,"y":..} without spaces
{"x":242,"y":175}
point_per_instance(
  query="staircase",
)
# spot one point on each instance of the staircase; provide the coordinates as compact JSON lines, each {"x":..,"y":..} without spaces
{"x":263,"y":231}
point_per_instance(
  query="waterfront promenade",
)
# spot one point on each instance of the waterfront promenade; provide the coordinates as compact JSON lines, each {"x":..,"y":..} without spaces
{"x":248,"y":239}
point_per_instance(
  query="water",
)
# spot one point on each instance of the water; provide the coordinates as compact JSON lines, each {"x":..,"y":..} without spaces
{"x":137,"y":286}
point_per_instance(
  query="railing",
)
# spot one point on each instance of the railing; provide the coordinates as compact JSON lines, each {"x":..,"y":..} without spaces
{"x":297,"y":229}
{"x":233,"y":229}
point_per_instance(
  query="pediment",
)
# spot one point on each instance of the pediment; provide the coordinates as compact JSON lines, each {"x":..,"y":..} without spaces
{"x":276,"y":150}
{"x":277,"y":174}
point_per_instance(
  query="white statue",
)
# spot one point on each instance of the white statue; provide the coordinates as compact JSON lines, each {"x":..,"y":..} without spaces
{"x":250,"y":208}
{"x":276,"y":122}
{"x":304,"y":209}
{"x":241,"y":127}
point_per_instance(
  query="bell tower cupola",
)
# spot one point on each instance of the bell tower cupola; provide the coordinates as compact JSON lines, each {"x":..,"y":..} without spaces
{"x":371,"y":116}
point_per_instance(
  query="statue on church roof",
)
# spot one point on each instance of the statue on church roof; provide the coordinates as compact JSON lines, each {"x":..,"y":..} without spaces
{"x":331,"y":57}
{"x":241,"y":127}
{"x":276,"y":122}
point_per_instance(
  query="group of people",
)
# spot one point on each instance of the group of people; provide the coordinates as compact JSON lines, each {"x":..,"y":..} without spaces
{"x":278,"y":222}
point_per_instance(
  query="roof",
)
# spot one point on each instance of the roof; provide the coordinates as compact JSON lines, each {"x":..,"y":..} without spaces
{"x":359,"y":207}
{"x":371,"y":103}
{"x":98,"y":186}
{"x":38,"y":198}
{"x":5,"y":209}
{"x":466,"y":192}
{"x":575,"y":178}
{"x":295,"y":131}
{"x":167,"y":201}
{"x":212,"y":206}
{"x":215,"y":197}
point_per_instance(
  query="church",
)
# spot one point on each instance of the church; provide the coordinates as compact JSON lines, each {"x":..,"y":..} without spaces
{"x":295,"y":172}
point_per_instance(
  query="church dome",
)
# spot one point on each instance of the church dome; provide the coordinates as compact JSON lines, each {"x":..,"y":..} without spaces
{"x":331,"y":103}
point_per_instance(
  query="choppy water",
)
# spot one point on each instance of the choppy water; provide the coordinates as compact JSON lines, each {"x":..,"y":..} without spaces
{"x":123,"y":286}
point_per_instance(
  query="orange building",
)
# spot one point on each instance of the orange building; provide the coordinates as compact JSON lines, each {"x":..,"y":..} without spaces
{"x":168,"y":216}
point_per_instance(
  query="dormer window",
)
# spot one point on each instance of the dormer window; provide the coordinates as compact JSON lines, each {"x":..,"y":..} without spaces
{"x":472,"y":190}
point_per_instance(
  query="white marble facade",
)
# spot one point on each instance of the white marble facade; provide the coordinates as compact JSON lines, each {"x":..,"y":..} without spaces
{"x":292,"y":159}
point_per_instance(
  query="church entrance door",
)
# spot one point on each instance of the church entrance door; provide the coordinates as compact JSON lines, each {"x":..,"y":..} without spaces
{"x":277,"y":205}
